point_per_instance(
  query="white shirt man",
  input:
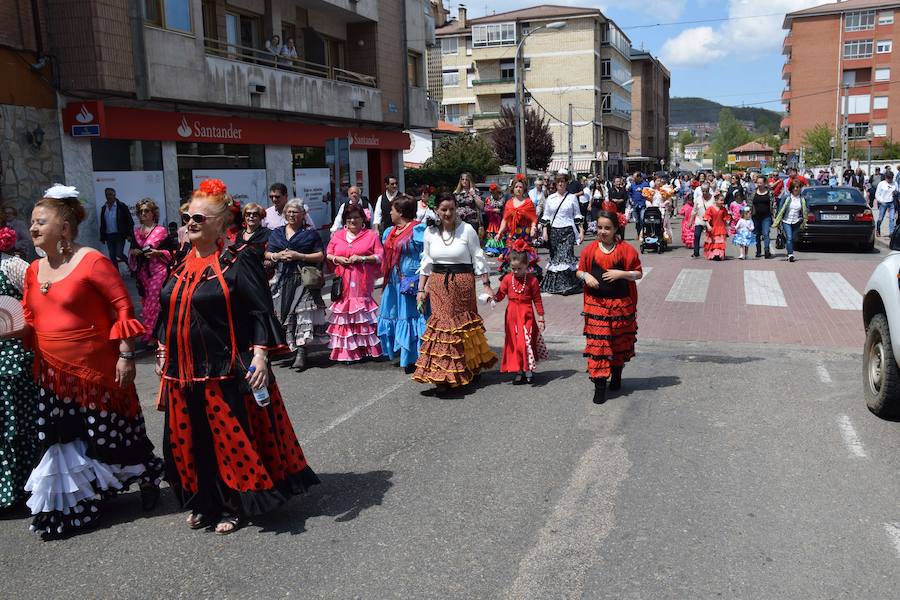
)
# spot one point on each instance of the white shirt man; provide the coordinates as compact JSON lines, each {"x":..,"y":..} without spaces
{"x":538,"y":194}
{"x":390,"y":192}
{"x":355,"y":198}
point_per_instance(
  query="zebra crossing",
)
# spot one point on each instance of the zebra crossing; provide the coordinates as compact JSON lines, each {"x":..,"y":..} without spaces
{"x":763,"y":288}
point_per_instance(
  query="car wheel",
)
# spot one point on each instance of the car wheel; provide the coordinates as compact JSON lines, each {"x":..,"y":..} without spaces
{"x":881,"y":379}
{"x":867,"y":246}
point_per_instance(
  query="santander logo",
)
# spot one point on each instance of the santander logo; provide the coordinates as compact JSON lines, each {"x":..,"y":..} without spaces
{"x":84,"y":115}
{"x":199,"y":130}
{"x":184,"y":130}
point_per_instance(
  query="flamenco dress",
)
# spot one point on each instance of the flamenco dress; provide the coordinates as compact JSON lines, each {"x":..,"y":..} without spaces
{"x":523,"y":343}
{"x":519,"y":221}
{"x":300,"y":308}
{"x":454,"y":348}
{"x":353,"y":324}
{"x":150,"y":274}
{"x":224,"y":453}
{"x":400,"y":324}
{"x":91,"y":430}
{"x":493,"y":213}
{"x":562,"y":215}
{"x":714,"y":244}
{"x":610,"y":323}
{"x":18,"y":398}
{"x":687,"y":225}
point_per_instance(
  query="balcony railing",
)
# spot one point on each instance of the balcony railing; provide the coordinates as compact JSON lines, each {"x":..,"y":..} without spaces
{"x":493,"y":81}
{"x":265,"y":58}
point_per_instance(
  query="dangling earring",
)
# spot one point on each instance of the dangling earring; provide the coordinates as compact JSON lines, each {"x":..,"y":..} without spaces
{"x":63,"y":247}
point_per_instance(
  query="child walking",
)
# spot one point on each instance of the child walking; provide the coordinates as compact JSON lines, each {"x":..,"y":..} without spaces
{"x":524,"y":346}
{"x":717,"y":219}
{"x":687,"y":223}
{"x":743,"y":233}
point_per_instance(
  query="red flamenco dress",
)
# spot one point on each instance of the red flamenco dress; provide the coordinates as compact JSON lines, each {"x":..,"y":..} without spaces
{"x":519,"y":221}
{"x":523,"y":346}
{"x":714,"y":244}
{"x":224,"y":453}
{"x":610,"y":324}
{"x":91,"y":430}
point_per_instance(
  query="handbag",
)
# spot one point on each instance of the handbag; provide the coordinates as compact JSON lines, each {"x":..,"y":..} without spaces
{"x":409,"y":286}
{"x":311,"y":277}
{"x":780,"y":240}
{"x":337,"y":289}
{"x":546,"y":232}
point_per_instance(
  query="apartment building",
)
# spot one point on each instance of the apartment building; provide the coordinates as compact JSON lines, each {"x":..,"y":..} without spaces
{"x":157,"y":95}
{"x":842,"y":47}
{"x":584,"y":64}
{"x":649,"y":135}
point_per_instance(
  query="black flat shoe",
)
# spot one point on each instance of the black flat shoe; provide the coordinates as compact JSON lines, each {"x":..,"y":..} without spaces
{"x":519,"y":380}
{"x":599,"y":391}
{"x":529,"y":379}
{"x":149,"y":497}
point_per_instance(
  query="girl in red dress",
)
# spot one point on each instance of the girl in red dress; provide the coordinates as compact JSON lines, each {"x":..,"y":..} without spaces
{"x":717,"y":218}
{"x":609,"y":269}
{"x":524,"y":344}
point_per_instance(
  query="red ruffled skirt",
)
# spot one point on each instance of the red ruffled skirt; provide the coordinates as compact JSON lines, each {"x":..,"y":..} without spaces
{"x":610,"y":331}
{"x":714,"y":246}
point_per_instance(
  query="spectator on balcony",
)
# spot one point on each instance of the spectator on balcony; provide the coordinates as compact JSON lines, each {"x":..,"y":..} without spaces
{"x":289,"y":52}
{"x":273,"y":48}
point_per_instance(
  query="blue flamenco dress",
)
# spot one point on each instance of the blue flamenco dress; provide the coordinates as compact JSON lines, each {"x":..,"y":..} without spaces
{"x":400,"y":324}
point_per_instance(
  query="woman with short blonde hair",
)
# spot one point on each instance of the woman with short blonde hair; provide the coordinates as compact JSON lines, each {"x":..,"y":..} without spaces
{"x":148,"y":262}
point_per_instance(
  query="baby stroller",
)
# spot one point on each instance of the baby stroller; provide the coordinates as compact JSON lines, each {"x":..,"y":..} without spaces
{"x":652,"y":237}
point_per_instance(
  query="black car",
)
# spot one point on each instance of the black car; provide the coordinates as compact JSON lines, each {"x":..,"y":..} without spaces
{"x":838,"y":214}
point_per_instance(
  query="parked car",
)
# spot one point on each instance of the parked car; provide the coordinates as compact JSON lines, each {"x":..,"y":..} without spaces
{"x":881,"y":319}
{"x":838,"y":214}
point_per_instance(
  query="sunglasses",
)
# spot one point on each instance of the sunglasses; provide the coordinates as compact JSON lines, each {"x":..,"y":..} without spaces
{"x":196,"y":218}
{"x":145,"y":210}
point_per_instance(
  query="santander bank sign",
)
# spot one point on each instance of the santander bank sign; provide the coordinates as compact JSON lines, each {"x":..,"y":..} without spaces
{"x":197,"y":129}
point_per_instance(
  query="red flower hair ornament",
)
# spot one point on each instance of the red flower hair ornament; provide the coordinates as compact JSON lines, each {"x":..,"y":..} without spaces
{"x":520,"y":177}
{"x":7,"y":239}
{"x":520,"y":245}
{"x":493,"y":187}
{"x":213,"y":187}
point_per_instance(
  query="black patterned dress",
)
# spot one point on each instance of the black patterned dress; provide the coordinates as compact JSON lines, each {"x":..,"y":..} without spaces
{"x":18,"y":399}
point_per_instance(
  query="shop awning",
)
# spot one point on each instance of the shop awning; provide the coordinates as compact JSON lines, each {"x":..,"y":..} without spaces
{"x":580,"y":166}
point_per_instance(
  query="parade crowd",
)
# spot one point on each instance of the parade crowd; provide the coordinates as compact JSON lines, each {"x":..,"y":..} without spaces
{"x":235,"y":286}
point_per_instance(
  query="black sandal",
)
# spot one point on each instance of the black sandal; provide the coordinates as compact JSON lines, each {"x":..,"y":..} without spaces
{"x":197,"y":520}
{"x":233,"y":520}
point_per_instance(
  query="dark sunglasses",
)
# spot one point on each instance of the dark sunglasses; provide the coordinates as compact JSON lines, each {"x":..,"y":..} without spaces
{"x":196,"y":218}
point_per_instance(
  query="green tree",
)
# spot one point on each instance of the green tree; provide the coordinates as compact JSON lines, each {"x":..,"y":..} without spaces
{"x":890,"y":150}
{"x":730,"y":134}
{"x":685,"y":137}
{"x":817,"y":144}
{"x":464,"y":154}
{"x":538,"y":140}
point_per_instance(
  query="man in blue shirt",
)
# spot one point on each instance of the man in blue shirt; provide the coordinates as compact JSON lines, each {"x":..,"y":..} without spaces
{"x":638,"y":202}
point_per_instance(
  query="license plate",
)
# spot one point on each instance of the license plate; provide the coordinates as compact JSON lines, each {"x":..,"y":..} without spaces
{"x":835,"y":217}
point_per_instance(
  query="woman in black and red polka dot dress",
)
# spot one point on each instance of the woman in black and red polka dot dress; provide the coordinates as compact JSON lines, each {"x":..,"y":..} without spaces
{"x":227,"y":457}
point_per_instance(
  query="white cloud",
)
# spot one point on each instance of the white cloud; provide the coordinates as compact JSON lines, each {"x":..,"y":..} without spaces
{"x":664,"y":10}
{"x":693,"y":47}
{"x":747,"y":37}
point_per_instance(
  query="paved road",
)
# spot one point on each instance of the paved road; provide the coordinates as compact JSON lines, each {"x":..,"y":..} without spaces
{"x":723,"y":469}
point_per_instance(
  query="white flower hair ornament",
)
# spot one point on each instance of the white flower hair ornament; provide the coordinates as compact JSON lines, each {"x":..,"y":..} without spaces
{"x":59,"y":191}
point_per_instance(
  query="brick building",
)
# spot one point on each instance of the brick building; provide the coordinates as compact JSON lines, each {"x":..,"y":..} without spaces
{"x":836,"y":48}
{"x":752,"y":155}
{"x":649,"y":135}
{"x":157,"y":94}
{"x":583,"y":64}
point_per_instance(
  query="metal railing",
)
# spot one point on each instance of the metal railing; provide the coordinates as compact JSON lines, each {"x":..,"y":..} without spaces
{"x":263,"y":57}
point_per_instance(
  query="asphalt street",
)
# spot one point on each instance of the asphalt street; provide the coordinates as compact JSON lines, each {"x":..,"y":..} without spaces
{"x":721,"y":470}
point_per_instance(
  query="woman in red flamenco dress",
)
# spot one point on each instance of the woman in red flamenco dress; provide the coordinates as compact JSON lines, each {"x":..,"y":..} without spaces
{"x":519,"y":223}
{"x":523,"y":343}
{"x":609,"y":269}
{"x":717,"y":218}
{"x":228,"y":455}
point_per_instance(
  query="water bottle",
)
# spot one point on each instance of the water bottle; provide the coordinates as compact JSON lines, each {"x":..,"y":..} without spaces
{"x":262,"y":394}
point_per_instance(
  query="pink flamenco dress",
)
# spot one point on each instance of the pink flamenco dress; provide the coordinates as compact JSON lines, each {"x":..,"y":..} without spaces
{"x":353,"y":324}
{"x":687,"y":224}
{"x":150,"y":273}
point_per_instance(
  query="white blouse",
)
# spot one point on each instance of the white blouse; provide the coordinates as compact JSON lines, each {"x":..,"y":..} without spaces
{"x":569,"y":214}
{"x":464,"y":248}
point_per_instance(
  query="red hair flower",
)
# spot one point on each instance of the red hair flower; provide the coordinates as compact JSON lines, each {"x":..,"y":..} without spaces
{"x":520,"y":177}
{"x":7,"y":239}
{"x":213,"y":187}
{"x":493,"y":187}
{"x":520,"y":245}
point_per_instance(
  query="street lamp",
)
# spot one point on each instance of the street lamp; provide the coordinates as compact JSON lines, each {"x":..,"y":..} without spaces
{"x":870,"y":135}
{"x":520,"y":97}
{"x":831,"y":143}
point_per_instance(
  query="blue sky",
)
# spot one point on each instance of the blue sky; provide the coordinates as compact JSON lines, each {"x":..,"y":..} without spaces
{"x":732,"y":62}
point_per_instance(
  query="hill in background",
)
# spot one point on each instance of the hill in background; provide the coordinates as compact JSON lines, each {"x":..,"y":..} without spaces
{"x":699,"y":110}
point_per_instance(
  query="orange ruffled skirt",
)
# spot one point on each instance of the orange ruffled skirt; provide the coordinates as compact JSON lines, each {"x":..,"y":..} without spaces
{"x":454,"y":348}
{"x":610,"y":329}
